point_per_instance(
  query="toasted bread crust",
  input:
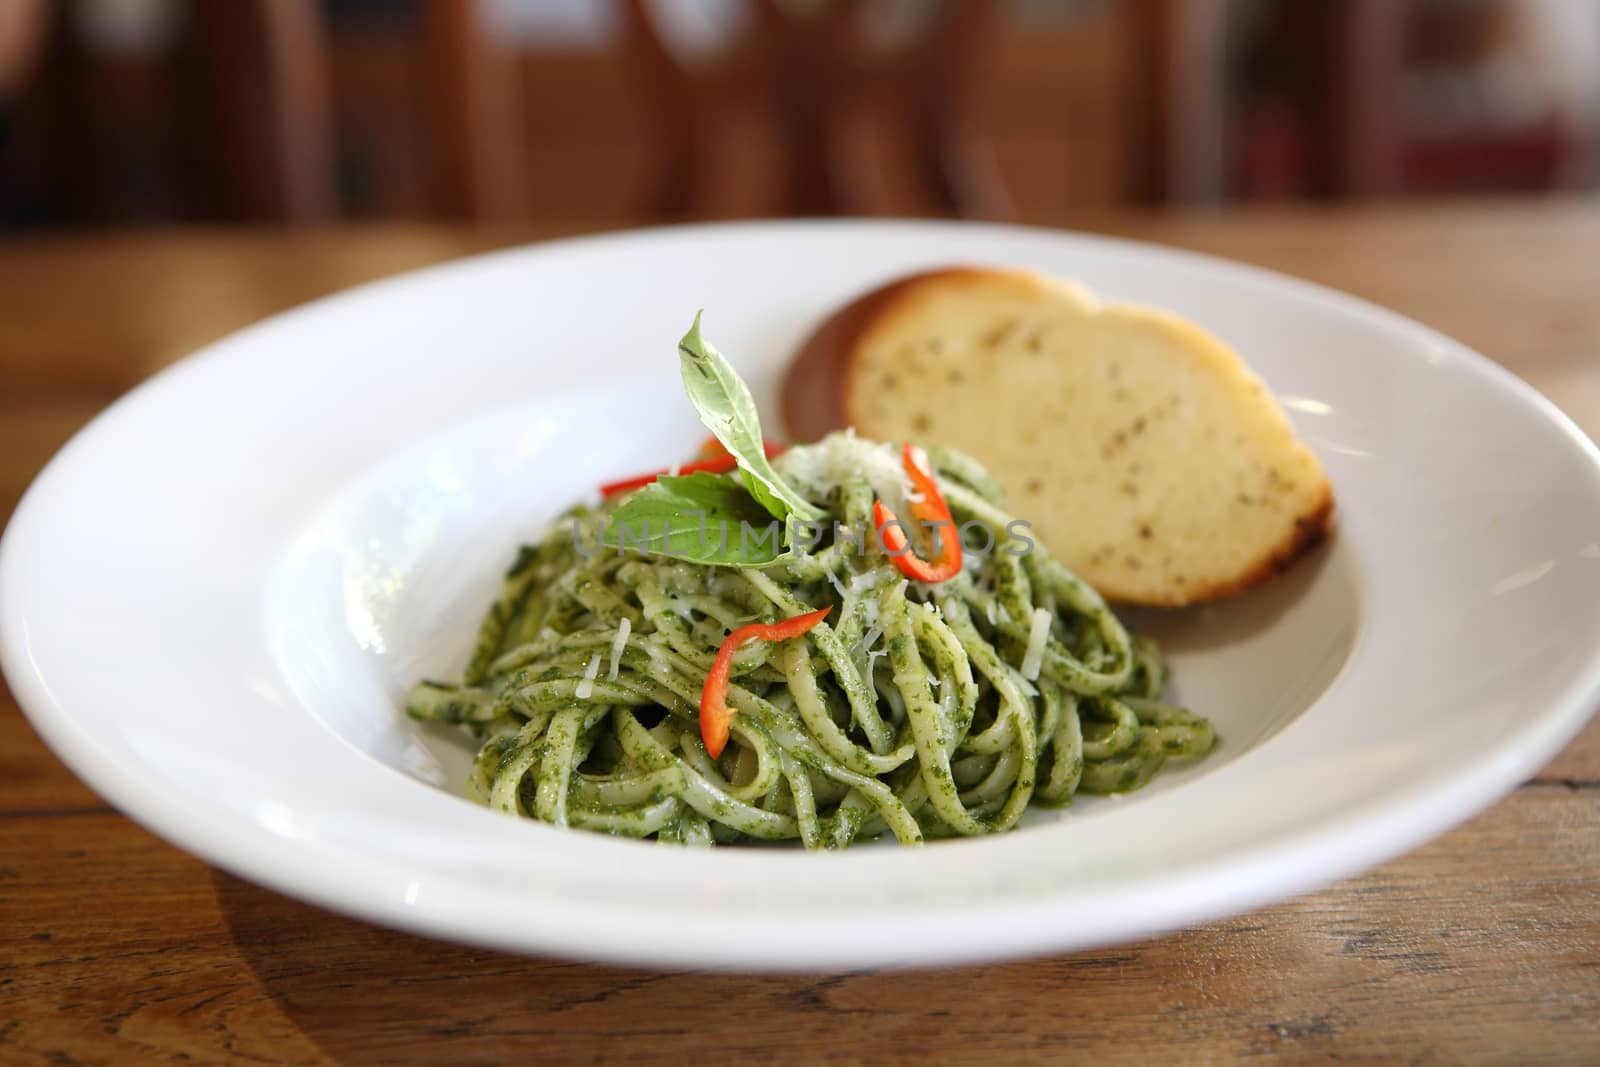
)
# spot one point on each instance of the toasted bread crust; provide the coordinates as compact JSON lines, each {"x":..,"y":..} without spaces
{"x":817,"y":387}
{"x":1310,"y":531}
{"x":828,"y":387}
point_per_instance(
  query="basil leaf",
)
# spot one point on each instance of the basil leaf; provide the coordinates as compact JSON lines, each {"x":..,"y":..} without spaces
{"x":703,"y":518}
{"x":728,"y":411}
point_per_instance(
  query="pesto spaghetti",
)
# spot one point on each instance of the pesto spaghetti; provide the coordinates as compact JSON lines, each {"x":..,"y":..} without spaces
{"x":858,"y":689}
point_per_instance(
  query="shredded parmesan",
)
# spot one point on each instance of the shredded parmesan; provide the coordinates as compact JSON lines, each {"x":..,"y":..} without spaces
{"x":872,"y":661}
{"x":1038,"y":633}
{"x":586,"y":687}
{"x":870,"y":610}
{"x":870,"y":638}
{"x":990,"y":612}
{"x":617,"y":644}
{"x":840,"y":457}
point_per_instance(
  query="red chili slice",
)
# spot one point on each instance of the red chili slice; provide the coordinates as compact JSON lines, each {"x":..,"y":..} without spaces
{"x":928,"y":506}
{"x":713,"y":465}
{"x":714,"y":714}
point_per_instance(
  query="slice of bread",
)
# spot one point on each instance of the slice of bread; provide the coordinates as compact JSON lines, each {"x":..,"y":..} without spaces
{"x":1146,"y":454}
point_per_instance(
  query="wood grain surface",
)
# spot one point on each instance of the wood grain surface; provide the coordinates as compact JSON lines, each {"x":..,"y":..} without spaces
{"x":1483,"y":946}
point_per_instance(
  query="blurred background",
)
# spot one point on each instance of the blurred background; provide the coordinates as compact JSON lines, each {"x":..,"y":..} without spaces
{"x":295,"y":112}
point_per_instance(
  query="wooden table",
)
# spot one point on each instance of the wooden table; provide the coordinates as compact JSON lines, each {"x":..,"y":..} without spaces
{"x":1484,"y":945}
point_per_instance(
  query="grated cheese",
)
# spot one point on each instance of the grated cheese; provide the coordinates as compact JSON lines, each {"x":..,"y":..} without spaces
{"x":1038,"y":634}
{"x":841,"y":456}
{"x":872,"y":660}
{"x":586,"y":687}
{"x":617,"y":644}
{"x":870,"y":638}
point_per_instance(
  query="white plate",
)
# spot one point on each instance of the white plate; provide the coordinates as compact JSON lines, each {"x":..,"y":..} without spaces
{"x":215,"y":595}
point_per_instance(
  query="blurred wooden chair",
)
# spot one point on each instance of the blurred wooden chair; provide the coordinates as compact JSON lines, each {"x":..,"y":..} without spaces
{"x":266,"y":59}
{"x":806,"y":71}
{"x":249,"y":100}
{"x":480,"y":166}
{"x":255,"y":130}
{"x":1339,"y":63}
{"x":23,"y":26}
{"x":255,"y":126}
